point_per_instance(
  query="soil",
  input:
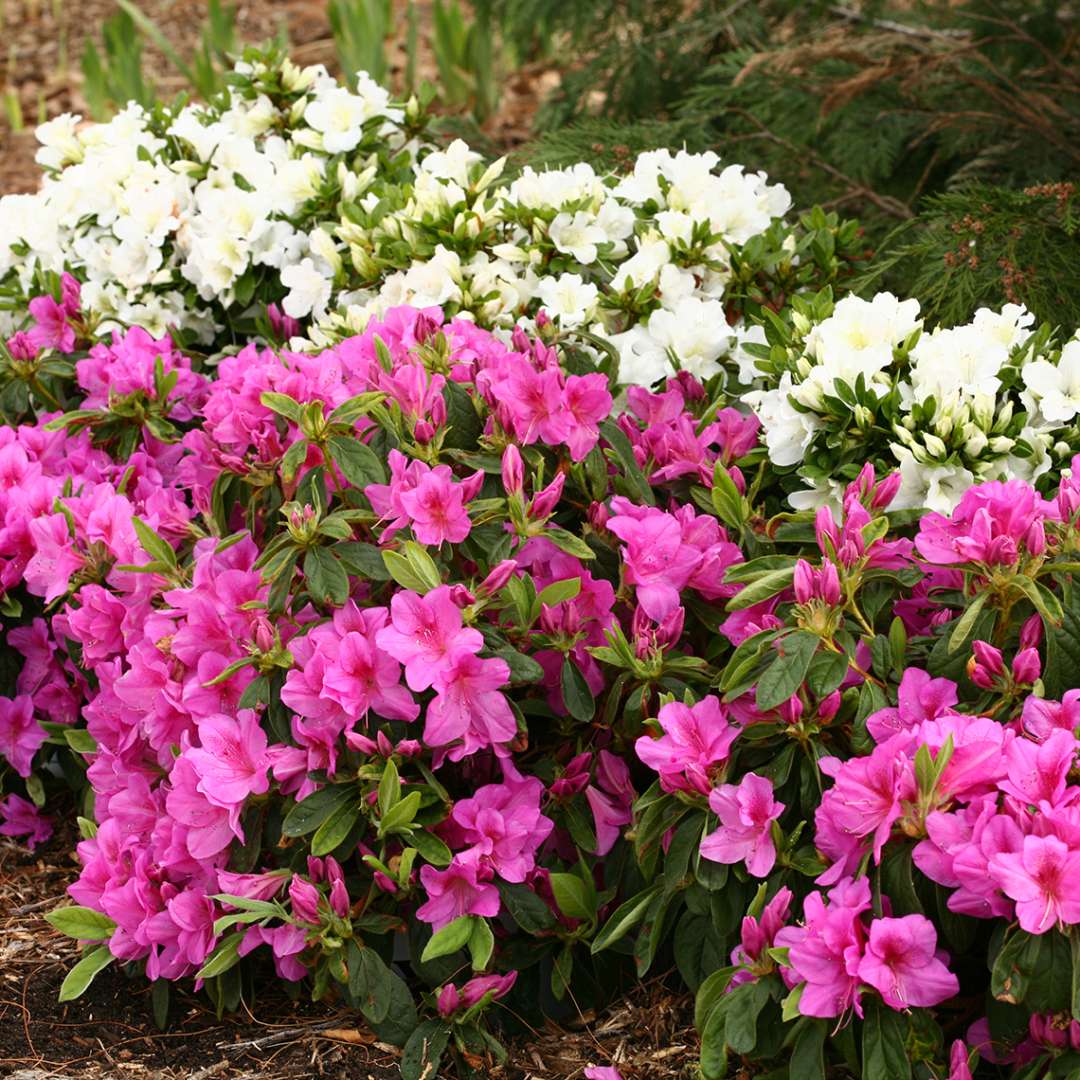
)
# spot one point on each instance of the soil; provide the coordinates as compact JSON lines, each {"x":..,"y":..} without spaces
{"x":110,"y":1033}
{"x":43,"y":42}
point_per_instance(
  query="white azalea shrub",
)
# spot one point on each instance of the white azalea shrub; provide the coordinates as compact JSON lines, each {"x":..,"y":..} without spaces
{"x":863,"y":380}
{"x":331,"y":204}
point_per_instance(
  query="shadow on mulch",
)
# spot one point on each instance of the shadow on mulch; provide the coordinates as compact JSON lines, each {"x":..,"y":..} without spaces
{"x":110,"y":1034}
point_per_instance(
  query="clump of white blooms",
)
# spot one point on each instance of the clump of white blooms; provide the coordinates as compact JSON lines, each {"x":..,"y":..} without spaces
{"x":327,"y":202}
{"x":863,"y":380}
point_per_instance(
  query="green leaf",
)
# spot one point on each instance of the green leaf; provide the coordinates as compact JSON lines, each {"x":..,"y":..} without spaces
{"x":82,"y":974}
{"x":334,"y":829}
{"x":464,"y":426}
{"x":325,"y":577}
{"x":624,"y":918}
{"x":762,"y":588}
{"x":710,"y":994}
{"x":362,"y":560}
{"x":283,"y":405}
{"x":449,"y":939}
{"x":884,"y":1038}
{"x":787,"y":672}
{"x":81,"y":923}
{"x":223,"y":957}
{"x":80,"y":740}
{"x":357,"y":461}
{"x":413,"y":568}
{"x":568,"y":542}
{"x":559,"y":591}
{"x":964,"y":624}
{"x":808,"y":1053}
{"x":306,"y":816}
{"x":389,"y":787}
{"x":369,"y":982}
{"x":526,"y":908}
{"x":635,"y":479}
{"x":431,"y":848}
{"x":1046,"y":603}
{"x":1063,"y":647}
{"x":424,"y":1050}
{"x":577,"y":697}
{"x":399,"y":817}
{"x":572,"y":896}
{"x":481,"y":944}
{"x":157,"y":548}
{"x":740,"y":1025}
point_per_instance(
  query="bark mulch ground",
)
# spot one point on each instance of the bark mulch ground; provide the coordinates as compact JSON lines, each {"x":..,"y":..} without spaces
{"x":110,"y":1033}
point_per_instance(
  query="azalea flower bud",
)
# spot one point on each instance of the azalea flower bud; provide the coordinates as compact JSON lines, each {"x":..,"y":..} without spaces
{"x":316,"y":869}
{"x":513,"y":477}
{"x":1031,"y":632}
{"x":423,"y":432}
{"x":1026,"y":667}
{"x":384,"y":883}
{"x":544,"y":503}
{"x":497,"y":985}
{"x":498,"y":577}
{"x":471,"y":485}
{"x":383,"y":744}
{"x":935,"y":446}
{"x":264,"y":635}
{"x":409,"y":748}
{"x":305,"y":900}
{"x":803,"y":582}
{"x":989,"y":657}
{"x":886,"y":491}
{"x":825,"y":530}
{"x":671,"y":629}
{"x":829,"y":706}
{"x":339,"y":899}
{"x":448,"y":1000}
{"x":1035,"y":540}
{"x":598,"y":515}
{"x":461,"y":596}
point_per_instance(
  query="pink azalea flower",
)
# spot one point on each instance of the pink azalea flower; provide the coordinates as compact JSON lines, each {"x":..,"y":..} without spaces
{"x":463,"y":888}
{"x":364,"y":677}
{"x":469,"y":706}
{"x":436,"y":508}
{"x":746,"y":812}
{"x":22,"y":818}
{"x":51,"y":329}
{"x":21,"y":736}
{"x":232,"y":761}
{"x":1044,"y":880}
{"x":903,"y":964}
{"x":503,"y":823}
{"x":920,"y":698}
{"x":696,"y":739}
{"x":655,"y":559}
{"x":602,"y":1072}
{"x":757,"y":936}
{"x":825,"y":952}
{"x":991,"y":524}
{"x":427,"y":635}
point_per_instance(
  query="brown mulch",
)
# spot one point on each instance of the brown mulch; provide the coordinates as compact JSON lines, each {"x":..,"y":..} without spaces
{"x":110,"y":1033}
{"x":43,"y":42}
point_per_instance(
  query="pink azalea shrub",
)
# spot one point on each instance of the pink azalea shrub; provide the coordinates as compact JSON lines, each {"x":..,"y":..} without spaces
{"x":420,"y":673}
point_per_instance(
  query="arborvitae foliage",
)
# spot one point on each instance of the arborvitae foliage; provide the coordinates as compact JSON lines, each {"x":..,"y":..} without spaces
{"x":902,"y":112}
{"x":987,"y":246}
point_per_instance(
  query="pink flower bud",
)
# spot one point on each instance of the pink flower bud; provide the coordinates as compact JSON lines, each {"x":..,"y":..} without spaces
{"x":1026,"y":666}
{"x":1031,"y":632}
{"x":437,"y":411}
{"x":448,"y":1001}
{"x":830,"y":584}
{"x":423,"y":432}
{"x":424,"y":327}
{"x":988,"y":657}
{"x":409,"y":748}
{"x":70,"y":295}
{"x":21,"y":347}
{"x":1035,"y":540}
{"x":305,"y":900}
{"x":339,"y":899}
{"x":498,"y":577}
{"x":513,"y":473}
{"x":886,"y":491}
{"x":862,"y":485}
{"x":671,"y":629}
{"x":542,"y":320}
{"x":598,"y":515}
{"x":316,"y":869}
{"x":497,"y":985}
{"x":383,"y":744}
{"x":803,"y":582}
{"x":359,"y":742}
{"x":384,"y":883}
{"x":692,"y":388}
{"x":264,"y":635}
{"x":544,"y":503}
{"x":471,"y":485}
{"x":333,"y":869}
{"x":461,"y":596}
{"x":829,"y":705}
